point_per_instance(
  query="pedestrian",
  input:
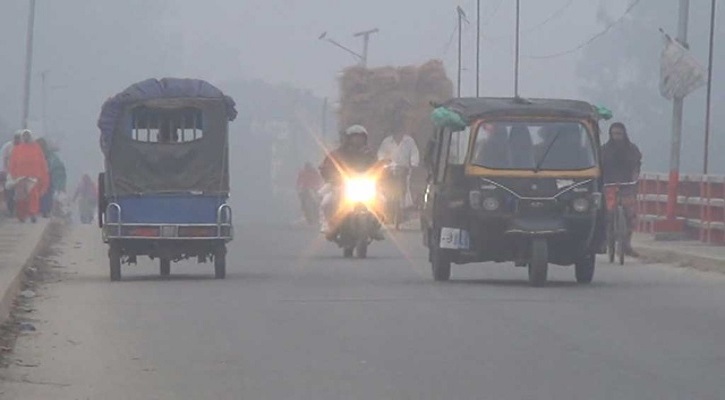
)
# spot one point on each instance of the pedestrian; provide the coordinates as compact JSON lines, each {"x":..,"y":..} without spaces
{"x":57,"y":173}
{"x":87,"y":196}
{"x":5,"y":153}
{"x":29,"y":172}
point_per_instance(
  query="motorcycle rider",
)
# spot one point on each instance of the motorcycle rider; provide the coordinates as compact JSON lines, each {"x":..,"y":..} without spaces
{"x":352,"y":155}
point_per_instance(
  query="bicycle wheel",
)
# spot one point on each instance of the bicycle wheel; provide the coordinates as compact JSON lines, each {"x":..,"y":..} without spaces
{"x":611,"y":237}
{"x":621,"y":233}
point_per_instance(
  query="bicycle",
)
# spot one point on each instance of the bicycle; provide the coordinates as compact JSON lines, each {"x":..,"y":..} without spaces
{"x":617,"y":221}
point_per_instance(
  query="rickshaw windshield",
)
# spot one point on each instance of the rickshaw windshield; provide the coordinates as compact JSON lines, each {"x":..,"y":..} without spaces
{"x":535,"y":145}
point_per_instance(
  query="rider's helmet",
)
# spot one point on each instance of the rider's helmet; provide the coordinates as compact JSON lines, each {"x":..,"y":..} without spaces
{"x":356,"y":131}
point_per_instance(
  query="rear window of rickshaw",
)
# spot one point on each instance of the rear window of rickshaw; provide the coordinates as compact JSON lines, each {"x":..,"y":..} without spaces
{"x":166,"y":126}
{"x":522,"y":145}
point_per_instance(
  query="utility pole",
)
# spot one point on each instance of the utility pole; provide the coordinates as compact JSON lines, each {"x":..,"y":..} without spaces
{"x":677,"y":108}
{"x":518,"y":35}
{"x":706,"y":158}
{"x":461,"y":18}
{"x":324,"y":121}
{"x":478,"y":48}
{"x":366,"y":42}
{"x":28,"y":64}
{"x":44,"y":80}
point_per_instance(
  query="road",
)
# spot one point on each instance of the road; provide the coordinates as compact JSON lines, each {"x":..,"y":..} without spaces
{"x":295,"y":321}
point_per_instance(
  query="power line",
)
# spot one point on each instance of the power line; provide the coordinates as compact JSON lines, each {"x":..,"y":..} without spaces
{"x":493,"y":12}
{"x":591,"y":39}
{"x":554,"y":15}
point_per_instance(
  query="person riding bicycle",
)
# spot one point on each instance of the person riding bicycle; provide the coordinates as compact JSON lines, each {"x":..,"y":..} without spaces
{"x":400,"y":152}
{"x":621,"y":163}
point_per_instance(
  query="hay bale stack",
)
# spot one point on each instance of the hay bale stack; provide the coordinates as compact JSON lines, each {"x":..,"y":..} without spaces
{"x":386,"y":97}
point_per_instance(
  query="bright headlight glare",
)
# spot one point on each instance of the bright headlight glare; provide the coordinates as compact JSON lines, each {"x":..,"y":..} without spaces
{"x":581,"y":205}
{"x":360,"y":190}
{"x":491,"y":204}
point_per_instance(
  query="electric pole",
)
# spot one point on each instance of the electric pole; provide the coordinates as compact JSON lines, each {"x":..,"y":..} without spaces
{"x":478,"y":48}
{"x":677,"y":108}
{"x":708,"y":109}
{"x":366,"y":42}
{"x":461,"y":19}
{"x":28,"y":64}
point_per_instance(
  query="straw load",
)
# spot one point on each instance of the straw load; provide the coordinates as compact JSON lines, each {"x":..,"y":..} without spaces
{"x":387,"y":99}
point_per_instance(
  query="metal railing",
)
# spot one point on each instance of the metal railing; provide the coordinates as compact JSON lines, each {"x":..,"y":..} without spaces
{"x":700,"y":205}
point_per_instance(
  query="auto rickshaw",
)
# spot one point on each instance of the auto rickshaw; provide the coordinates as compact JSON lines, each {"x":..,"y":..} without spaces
{"x":166,"y":182}
{"x":514,"y":180}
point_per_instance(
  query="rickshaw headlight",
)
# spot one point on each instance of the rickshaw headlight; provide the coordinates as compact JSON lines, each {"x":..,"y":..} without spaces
{"x":474,"y":198}
{"x":360,"y":190}
{"x":581,"y":205}
{"x":491,"y":204}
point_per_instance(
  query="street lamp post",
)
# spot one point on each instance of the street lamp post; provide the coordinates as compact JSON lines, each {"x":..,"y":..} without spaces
{"x":362,"y":58}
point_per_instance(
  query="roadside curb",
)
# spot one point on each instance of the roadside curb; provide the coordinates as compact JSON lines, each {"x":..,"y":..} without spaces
{"x":10,"y":289}
{"x":655,"y":254}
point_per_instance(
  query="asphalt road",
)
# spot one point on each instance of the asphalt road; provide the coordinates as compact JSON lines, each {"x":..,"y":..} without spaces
{"x":295,"y":321}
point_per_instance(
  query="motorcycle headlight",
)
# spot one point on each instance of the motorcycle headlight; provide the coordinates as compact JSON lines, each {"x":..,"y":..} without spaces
{"x":580,"y":205}
{"x":360,"y":190}
{"x":491,"y":204}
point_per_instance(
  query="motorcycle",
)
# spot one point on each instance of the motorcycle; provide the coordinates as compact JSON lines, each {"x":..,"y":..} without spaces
{"x":359,"y":225}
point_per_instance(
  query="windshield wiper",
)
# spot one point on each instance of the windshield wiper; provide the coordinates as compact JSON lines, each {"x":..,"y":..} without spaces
{"x":546,"y":153}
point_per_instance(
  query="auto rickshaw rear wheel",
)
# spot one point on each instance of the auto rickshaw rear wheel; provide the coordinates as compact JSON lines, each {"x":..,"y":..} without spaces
{"x":165,"y":266}
{"x":440,"y":264}
{"x":584,"y":269}
{"x":114,"y":258}
{"x":220,"y":262}
{"x":539,"y":264}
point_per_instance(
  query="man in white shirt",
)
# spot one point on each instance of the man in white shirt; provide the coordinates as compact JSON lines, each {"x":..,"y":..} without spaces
{"x":5,"y":152}
{"x":401,"y":150}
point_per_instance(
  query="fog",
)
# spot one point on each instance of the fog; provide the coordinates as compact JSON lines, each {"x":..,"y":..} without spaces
{"x":91,"y":50}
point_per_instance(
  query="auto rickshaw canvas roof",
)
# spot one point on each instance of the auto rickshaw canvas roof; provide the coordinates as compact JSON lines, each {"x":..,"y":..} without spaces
{"x":470,"y":109}
{"x":150,"y":89}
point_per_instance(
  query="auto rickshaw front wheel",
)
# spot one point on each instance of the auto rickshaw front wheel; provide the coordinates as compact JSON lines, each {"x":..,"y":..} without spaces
{"x":584,"y":269}
{"x":220,"y":262}
{"x":440,"y":264}
{"x":539,"y":264}
{"x":114,"y":258}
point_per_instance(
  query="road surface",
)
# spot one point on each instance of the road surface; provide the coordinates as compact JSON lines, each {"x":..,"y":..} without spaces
{"x":295,"y":321}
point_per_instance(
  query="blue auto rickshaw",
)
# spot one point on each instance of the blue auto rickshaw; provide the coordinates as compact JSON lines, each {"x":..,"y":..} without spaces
{"x":165,"y":187}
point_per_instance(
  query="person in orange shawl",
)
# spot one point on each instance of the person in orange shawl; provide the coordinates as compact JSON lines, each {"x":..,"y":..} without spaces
{"x":29,"y":170}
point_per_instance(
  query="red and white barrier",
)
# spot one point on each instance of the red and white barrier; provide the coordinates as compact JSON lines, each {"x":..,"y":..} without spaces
{"x":700,"y":205}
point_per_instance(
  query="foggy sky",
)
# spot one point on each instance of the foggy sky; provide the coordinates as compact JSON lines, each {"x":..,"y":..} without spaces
{"x":94,"y":49}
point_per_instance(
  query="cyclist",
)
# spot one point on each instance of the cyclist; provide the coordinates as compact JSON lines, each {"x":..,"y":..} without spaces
{"x":621,"y":162}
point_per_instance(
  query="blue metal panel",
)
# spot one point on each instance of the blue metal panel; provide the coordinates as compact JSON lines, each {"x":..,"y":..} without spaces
{"x":168,"y":209}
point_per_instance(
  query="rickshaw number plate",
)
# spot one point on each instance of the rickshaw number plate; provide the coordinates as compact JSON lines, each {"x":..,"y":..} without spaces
{"x":455,"y":239}
{"x":168,"y":231}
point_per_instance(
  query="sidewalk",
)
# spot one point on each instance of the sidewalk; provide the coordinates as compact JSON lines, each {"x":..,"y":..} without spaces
{"x":688,"y":253}
{"x":19,"y":244}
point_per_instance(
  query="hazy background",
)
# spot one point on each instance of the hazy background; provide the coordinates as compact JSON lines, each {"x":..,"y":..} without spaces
{"x":265,"y":53}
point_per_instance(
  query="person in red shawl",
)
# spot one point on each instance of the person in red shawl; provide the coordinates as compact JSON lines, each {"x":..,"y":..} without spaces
{"x":29,"y":171}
